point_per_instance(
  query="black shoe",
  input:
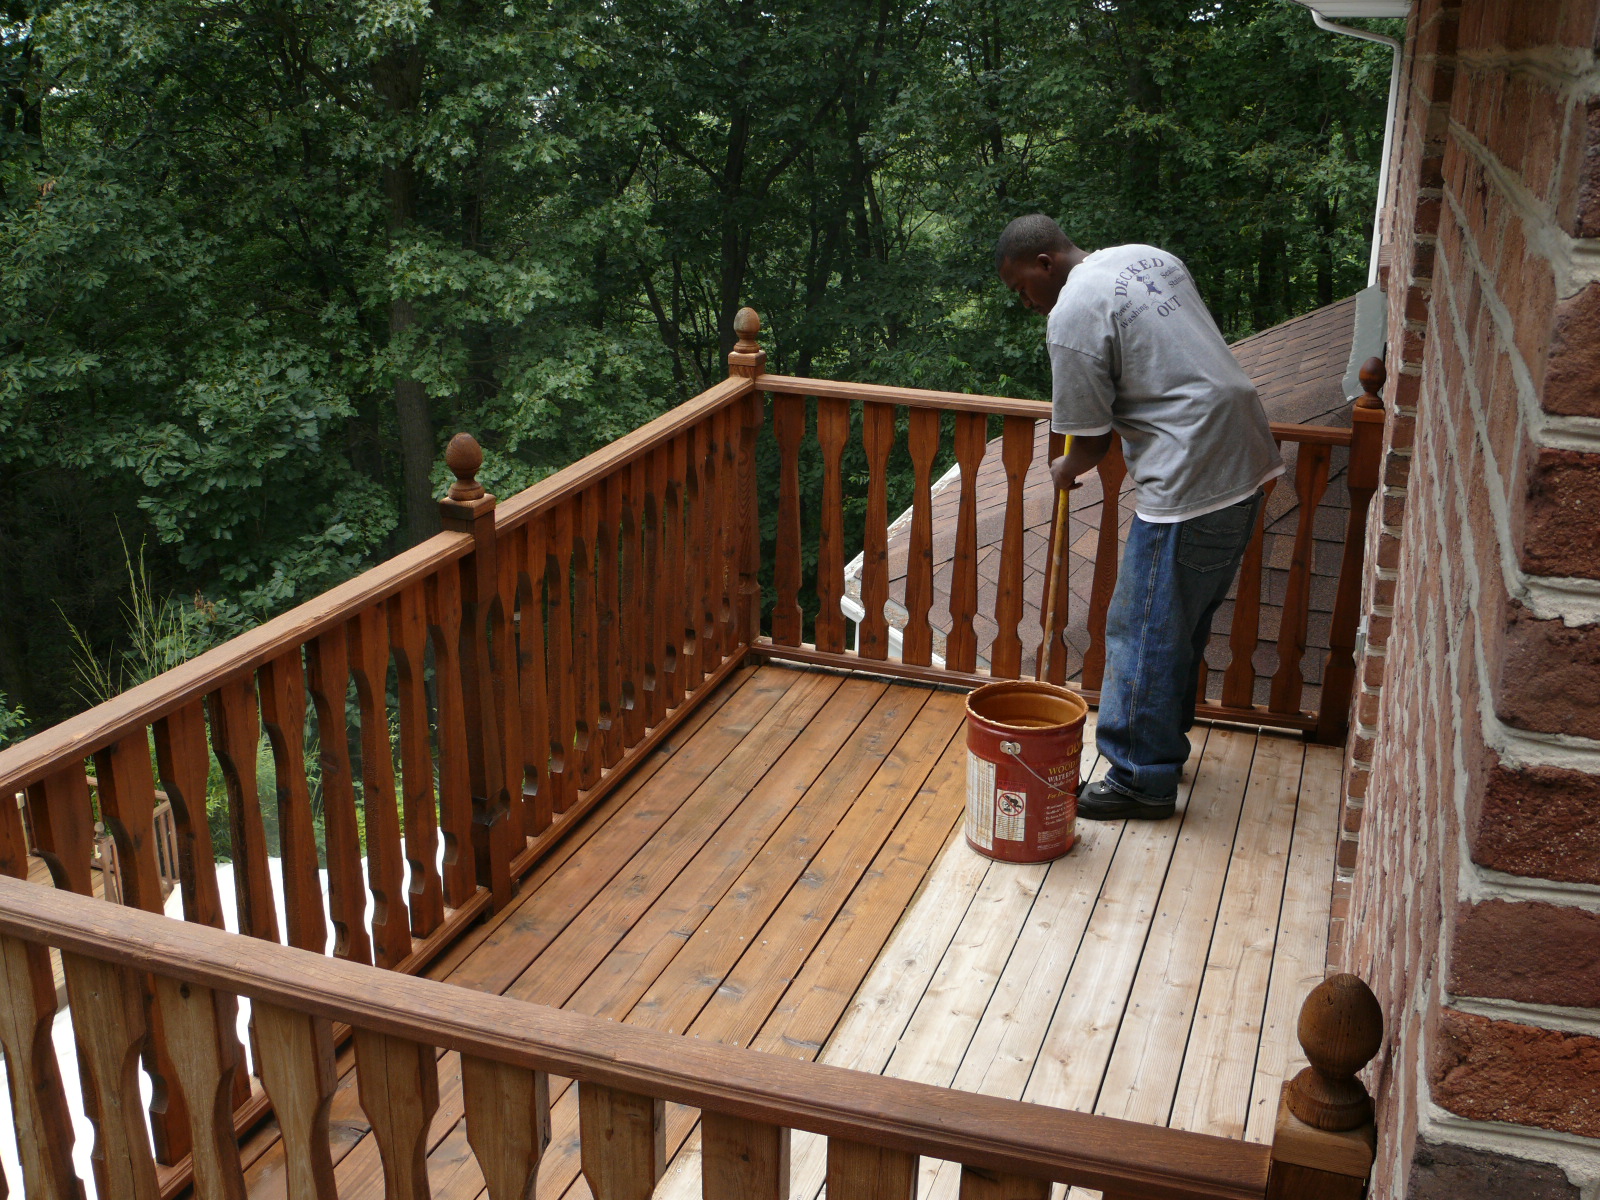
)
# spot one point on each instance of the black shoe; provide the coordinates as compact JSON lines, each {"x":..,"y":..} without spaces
{"x":1102,"y":802}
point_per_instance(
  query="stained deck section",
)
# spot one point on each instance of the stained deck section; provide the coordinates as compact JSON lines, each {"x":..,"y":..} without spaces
{"x":787,"y":872}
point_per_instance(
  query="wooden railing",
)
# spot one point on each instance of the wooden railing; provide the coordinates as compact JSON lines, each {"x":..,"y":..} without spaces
{"x":877,"y":1127}
{"x":872,"y":414}
{"x":528,"y":657}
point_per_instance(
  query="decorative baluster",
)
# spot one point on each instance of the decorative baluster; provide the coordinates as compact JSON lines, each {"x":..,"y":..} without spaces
{"x":297,"y":1069}
{"x":689,"y":462}
{"x":1056,"y":597}
{"x":730,"y":533}
{"x":368,"y":641}
{"x":877,"y":436}
{"x":833,"y":428}
{"x":923,"y":442}
{"x":609,"y":631}
{"x":399,"y":1088}
{"x":657,"y":635}
{"x":108,"y":1016}
{"x":706,"y":560}
{"x":980,"y":1183}
{"x":184,"y":764}
{"x":443,"y":595}
{"x":328,"y":678}
{"x":1239,"y":681}
{"x":857,"y":1171}
{"x":1310,"y":480}
{"x":486,"y":669}
{"x":505,"y":671}
{"x":1112,"y":471}
{"x":678,"y":598}
{"x":788,"y":426}
{"x":1361,"y":478}
{"x":633,"y":642}
{"x":283,"y":713}
{"x":236,"y":739}
{"x":961,"y":648}
{"x":534,"y":688}
{"x":622,"y":1140}
{"x":408,"y":641}
{"x":586,"y":697}
{"x":39,"y":1111}
{"x":199,"y":1025}
{"x":127,"y":805}
{"x":742,"y":1159}
{"x":1016,"y":452}
{"x":1323,"y":1146}
{"x":559,"y":667}
{"x":61,"y":817}
{"x":508,"y":1123}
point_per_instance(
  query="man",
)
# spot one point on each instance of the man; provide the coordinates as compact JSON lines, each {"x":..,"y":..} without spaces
{"x":1134,"y":350}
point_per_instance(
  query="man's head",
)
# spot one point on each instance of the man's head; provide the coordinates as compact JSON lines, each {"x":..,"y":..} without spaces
{"x":1033,"y":257}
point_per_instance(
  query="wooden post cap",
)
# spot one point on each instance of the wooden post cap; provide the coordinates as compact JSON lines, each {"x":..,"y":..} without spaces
{"x":747,"y":324}
{"x":1373,"y":375}
{"x":464,"y":456}
{"x":1341,"y":1028}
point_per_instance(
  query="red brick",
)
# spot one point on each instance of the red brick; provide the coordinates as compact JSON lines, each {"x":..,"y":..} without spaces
{"x":1352,"y":819}
{"x":1534,"y":953}
{"x":1383,"y":592}
{"x":1372,"y":669}
{"x":1503,"y":1071}
{"x":1572,"y":378}
{"x":1397,"y":471}
{"x":1349,"y":851}
{"x":1533,"y":314}
{"x":1358,"y":784}
{"x":1404,"y":390}
{"x":1583,"y":154}
{"x":1367,"y":703}
{"x":1561,"y":533}
{"x":1378,"y":629}
{"x":1581,"y":25}
{"x":1549,"y":675}
{"x":1542,"y":822}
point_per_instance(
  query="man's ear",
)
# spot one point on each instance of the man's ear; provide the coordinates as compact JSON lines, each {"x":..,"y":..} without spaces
{"x":1045,"y":263}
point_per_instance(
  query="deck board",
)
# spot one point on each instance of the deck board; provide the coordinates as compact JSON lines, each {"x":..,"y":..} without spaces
{"x":787,"y":872}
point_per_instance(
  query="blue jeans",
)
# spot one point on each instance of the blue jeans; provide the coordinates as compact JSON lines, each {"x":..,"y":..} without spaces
{"x":1173,"y":578}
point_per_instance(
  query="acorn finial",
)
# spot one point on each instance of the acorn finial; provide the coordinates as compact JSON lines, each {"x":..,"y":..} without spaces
{"x":1341,"y":1028}
{"x":1373,"y":375}
{"x":747,"y":324}
{"x":464,"y":456}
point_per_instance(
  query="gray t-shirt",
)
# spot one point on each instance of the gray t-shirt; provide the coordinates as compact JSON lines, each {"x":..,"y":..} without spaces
{"x":1134,"y":349}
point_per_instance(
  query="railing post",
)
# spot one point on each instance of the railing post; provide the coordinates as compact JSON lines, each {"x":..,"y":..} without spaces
{"x":749,"y":360}
{"x":470,"y":509}
{"x":1325,"y":1141}
{"x":1361,"y":479}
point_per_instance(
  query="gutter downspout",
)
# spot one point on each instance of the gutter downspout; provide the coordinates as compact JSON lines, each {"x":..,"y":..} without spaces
{"x":1322,"y":22}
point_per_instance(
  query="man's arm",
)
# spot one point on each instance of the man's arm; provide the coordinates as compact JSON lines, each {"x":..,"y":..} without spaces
{"x":1084,"y":456}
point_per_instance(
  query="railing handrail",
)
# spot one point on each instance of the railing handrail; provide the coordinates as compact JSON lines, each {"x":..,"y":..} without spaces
{"x":1129,"y":1158}
{"x":550,"y":491}
{"x":76,"y":738}
{"x":996,"y":406}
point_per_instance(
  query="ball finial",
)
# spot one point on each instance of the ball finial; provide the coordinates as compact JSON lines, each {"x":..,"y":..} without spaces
{"x":1373,"y":375}
{"x":747,"y":324}
{"x":464,"y":456}
{"x":1341,"y":1028}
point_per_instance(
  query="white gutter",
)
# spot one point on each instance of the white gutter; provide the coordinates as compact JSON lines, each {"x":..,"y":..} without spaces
{"x":1322,"y":22}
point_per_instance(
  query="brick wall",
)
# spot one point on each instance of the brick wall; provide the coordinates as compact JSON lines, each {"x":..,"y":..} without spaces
{"x":1471,"y":851}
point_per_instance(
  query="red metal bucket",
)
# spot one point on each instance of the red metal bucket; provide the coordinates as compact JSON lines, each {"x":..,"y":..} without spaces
{"x":1024,"y":746}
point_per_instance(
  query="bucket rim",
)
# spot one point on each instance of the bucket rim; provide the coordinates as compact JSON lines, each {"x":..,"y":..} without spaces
{"x":1027,"y":685}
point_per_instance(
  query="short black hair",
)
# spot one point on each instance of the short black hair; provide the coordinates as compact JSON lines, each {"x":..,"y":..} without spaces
{"x":1028,"y":236}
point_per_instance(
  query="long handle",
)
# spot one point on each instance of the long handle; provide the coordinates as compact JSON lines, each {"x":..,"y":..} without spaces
{"x":1058,"y":546}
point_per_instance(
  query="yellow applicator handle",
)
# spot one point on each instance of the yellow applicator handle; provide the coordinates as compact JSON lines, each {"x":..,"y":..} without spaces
{"x":1058,"y":544}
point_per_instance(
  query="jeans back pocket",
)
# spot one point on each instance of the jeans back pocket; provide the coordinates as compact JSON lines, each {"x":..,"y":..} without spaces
{"x":1216,"y":539}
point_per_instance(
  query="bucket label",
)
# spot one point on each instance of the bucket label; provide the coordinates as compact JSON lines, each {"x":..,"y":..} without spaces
{"x":980,"y":801}
{"x":1011,"y":811}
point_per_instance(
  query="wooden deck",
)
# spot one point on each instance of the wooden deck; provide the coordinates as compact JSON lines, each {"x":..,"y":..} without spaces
{"x":787,"y":872}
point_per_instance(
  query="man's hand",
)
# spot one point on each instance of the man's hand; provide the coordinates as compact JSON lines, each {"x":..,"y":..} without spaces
{"x":1062,"y":476}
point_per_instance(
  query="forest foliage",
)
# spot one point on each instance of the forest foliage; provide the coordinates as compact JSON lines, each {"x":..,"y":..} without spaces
{"x":259,"y":258}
